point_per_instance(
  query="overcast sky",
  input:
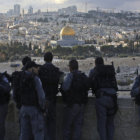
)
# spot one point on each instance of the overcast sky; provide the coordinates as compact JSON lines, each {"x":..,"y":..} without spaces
{"x":55,"y":4}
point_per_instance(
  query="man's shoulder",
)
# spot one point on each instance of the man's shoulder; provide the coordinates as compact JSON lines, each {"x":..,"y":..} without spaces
{"x":69,"y":74}
{"x":79,"y":73}
{"x":49,"y":66}
{"x":106,"y":70}
{"x":17,"y":72}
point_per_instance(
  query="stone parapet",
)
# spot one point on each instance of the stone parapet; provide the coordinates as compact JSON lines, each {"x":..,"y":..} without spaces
{"x":127,"y":121}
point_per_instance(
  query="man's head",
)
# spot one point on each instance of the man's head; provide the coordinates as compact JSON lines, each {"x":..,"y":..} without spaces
{"x":25,"y":60}
{"x":99,"y":61}
{"x":31,"y":66}
{"x":73,"y":65}
{"x":48,"y":57}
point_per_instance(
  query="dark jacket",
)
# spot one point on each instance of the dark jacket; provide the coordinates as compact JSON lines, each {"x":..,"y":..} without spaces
{"x":50,"y":76}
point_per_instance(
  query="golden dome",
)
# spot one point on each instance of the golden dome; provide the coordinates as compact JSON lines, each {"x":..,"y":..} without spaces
{"x":67,"y":31}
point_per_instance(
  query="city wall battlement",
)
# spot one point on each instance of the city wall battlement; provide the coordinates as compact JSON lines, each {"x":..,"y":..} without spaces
{"x":126,"y":122}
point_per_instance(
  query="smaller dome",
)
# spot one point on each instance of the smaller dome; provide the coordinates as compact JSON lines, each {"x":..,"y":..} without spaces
{"x":67,"y":31}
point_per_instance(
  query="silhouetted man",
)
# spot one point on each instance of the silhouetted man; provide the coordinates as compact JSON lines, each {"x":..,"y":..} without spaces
{"x":75,"y":96}
{"x":33,"y":104}
{"x":50,"y":76}
{"x":104,"y":85}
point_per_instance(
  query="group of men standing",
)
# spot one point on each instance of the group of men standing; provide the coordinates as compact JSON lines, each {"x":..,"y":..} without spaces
{"x":35,"y":88}
{"x":35,"y":94}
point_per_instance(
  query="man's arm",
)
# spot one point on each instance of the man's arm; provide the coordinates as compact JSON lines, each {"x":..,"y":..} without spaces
{"x":67,"y":82}
{"x":40,"y":93}
{"x":136,"y":87}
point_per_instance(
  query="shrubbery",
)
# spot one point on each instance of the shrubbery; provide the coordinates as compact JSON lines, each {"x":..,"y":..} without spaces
{"x":15,"y":51}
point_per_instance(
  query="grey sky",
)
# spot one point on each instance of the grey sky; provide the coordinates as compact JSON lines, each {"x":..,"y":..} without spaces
{"x":55,"y":4}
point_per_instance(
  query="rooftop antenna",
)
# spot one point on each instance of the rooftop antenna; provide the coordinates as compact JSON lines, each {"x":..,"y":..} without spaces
{"x":47,"y":8}
{"x":97,"y":9}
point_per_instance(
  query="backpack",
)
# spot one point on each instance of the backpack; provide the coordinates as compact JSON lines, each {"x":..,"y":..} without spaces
{"x":16,"y":78}
{"x":27,"y":90}
{"x":78,"y":92}
{"x":104,"y":77}
{"x":26,"y":82}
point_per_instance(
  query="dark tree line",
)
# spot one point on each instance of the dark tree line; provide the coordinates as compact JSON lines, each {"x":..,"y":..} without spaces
{"x":79,"y":52}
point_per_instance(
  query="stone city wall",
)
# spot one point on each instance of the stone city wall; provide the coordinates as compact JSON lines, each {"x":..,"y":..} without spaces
{"x":126,"y":121}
